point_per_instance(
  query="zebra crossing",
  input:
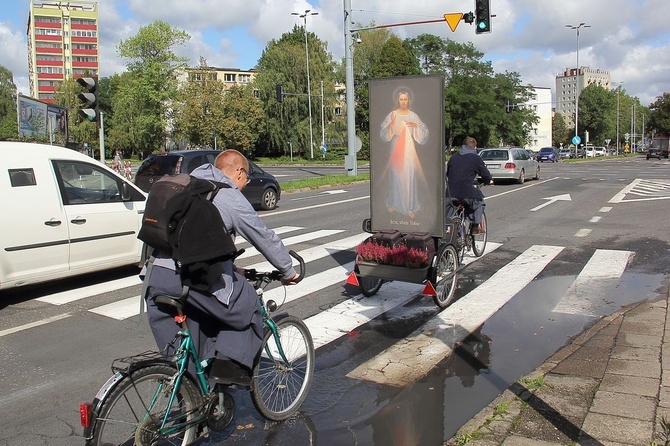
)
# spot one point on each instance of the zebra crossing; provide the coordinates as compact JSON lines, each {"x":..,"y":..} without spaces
{"x":430,"y":343}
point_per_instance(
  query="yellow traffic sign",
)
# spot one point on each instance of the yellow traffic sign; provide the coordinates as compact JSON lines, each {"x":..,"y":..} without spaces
{"x":453,"y":20}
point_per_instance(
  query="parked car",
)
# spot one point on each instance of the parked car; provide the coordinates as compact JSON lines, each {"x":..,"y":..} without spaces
{"x":600,"y":151}
{"x":64,"y":214}
{"x":263,"y":190}
{"x":590,"y":152}
{"x":547,"y":154}
{"x":653,"y":152}
{"x":510,"y":163}
{"x":564,"y":154}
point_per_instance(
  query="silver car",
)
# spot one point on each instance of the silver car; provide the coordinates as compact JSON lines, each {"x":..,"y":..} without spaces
{"x":510,"y":163}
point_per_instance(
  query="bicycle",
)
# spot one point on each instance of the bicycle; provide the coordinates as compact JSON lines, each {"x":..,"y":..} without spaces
{"x":466,"y":240}
{"x":154,"y":400}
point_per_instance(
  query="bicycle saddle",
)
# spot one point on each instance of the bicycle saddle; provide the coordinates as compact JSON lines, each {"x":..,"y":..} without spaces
{"x":176,"y":302}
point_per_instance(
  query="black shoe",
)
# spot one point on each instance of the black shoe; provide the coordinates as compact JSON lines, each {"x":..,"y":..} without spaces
{"x":226,"y":371}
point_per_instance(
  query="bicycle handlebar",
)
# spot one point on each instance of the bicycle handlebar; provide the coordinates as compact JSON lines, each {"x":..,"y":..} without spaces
{"x":269,"y":276}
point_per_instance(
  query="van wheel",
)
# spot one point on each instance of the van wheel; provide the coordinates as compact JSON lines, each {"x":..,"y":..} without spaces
{"x":269,"y":200}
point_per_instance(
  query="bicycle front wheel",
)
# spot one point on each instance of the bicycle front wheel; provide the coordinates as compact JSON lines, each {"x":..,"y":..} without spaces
{"x":479,"y":240}
{"x":279,"y":387}
{"x":133,"y":412}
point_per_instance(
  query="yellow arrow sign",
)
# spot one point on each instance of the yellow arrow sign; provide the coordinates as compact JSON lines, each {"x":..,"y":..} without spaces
{"x":453,"y":20}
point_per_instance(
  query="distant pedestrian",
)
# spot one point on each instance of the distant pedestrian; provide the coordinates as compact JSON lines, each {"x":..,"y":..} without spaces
{"x":128,"y":173}
{"x":118,"y":163}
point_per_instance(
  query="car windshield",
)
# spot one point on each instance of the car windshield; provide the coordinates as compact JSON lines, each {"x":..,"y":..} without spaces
{"x":546,"y":150}
{"x":494,"y":155}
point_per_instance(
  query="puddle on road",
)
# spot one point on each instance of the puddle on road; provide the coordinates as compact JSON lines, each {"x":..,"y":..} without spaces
{"x":511,"y":344}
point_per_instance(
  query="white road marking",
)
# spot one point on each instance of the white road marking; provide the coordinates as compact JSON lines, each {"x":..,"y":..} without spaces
{"x":279,"y":230}
{"x":250,"y":252}
{"x":413,"y":357}
{"x":605,"y":209}
{"x":582,"y":232}
{"x":598,"y":277}
{"x":34,"y":324}
{"x":88,"y":291}
{"x":595,"y":219}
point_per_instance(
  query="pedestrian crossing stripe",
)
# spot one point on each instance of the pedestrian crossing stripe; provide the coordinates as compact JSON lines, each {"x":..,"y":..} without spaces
{"x":649,"y":189}
{"x":412,"y":358}
{"x":598,"y":277}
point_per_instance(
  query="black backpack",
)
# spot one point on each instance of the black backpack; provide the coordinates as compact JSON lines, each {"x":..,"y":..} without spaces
{"x":181,"y":221}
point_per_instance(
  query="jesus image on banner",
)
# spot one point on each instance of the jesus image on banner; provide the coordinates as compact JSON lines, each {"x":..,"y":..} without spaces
{"x":405,"y":130}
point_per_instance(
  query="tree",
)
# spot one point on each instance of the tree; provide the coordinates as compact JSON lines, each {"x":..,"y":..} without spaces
{"x":595,"y":113}
{"x":283,"y":62}
{"x":659,"y":116}
{"x":243,"y":119}
{"x":199,"y":107}
{"x":394,"y":60}
{"x":8,"y":119}
{"x":365,"y":54}
{"x":143,"y":100}
{"x":560,"y":131}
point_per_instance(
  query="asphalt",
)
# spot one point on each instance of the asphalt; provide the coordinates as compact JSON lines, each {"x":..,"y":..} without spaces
{"x":609,"y":386}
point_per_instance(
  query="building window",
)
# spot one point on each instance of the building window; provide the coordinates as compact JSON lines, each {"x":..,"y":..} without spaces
{"x":229,"y":77}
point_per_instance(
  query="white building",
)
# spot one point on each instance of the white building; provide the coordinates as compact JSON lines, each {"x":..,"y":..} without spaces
{"x":541,"y":133}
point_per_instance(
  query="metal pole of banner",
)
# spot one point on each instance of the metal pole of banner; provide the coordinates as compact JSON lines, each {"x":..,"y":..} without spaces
{"x":102,"y":139}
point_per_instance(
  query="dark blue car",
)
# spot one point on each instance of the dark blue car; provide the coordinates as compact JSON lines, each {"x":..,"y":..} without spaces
{"x":547,"y":154}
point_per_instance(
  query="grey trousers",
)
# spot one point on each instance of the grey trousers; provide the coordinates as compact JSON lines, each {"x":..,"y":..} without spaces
{"x":474,"y":209}
{"x":233,"y":331}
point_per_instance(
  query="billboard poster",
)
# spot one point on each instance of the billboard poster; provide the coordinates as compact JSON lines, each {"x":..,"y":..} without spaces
{"x":407,"y":166}
{"x":56,"y":124}
{"x":40,"y":120}
{"x":32,"y":117}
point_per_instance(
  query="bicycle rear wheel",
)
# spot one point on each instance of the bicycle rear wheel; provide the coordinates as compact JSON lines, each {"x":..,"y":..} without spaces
{"x":133,"y":412}
{"x":278,"y":387}
{"x":479,"y":240}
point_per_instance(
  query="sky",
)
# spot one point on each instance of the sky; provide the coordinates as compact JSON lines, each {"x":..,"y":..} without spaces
{"x":630,"y":39}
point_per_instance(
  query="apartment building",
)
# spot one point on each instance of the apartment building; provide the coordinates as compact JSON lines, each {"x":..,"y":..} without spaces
{"x":541,"y":133}
{"x":571,"y":83}
{"x":63,"y":43}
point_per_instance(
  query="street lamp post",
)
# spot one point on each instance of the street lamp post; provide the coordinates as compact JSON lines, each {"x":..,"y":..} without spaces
{"x":309,"y":90}
{"x":618,"y":90}
{"x":577,"y":27}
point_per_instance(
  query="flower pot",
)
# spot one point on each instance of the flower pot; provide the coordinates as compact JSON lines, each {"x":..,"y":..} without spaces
{"x":390,"y":272}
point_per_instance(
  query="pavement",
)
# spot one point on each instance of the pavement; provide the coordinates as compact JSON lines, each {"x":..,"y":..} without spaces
{"x":609,"y":386}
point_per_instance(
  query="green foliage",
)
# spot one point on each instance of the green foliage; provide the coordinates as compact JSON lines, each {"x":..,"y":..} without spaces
{"x":595,"y":102}
{"x":659,"y":117}
{"x":560,"y":131}
{"x":284,"y":62}
{"x":8,"y":119}
{"x":394,"y":60}
{"x":143,"y":98}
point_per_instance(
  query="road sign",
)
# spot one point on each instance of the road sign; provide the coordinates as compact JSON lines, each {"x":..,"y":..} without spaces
{"x":576,"y":140}
{"x":453,"y":19}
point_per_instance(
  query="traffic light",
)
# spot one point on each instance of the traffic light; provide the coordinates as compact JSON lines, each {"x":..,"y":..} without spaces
{"x":89,"y":109}
{"x":468,"y":17}
{"x":482,"y":16}
{"x":280,"y":93}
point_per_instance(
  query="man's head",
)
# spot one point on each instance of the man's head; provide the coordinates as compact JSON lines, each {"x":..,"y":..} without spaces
{"x":235,"y":166}
{"x":470,"y":142}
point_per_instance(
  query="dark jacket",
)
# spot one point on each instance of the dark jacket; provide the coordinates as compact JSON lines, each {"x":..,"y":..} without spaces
{"x":462,"y":169}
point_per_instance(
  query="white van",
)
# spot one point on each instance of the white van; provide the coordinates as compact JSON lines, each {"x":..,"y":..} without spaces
{"x":63,"y":214}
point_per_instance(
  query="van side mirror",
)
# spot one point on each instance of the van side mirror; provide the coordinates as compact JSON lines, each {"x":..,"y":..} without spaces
{"x":125,"y":191}
{"x":367,"y":225}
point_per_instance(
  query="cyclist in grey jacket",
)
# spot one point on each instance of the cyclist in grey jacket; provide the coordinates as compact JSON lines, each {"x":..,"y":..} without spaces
{"x":225,"y":323}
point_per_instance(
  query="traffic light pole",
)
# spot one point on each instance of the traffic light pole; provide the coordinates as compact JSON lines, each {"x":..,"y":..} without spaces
{"x":101,"y":131}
